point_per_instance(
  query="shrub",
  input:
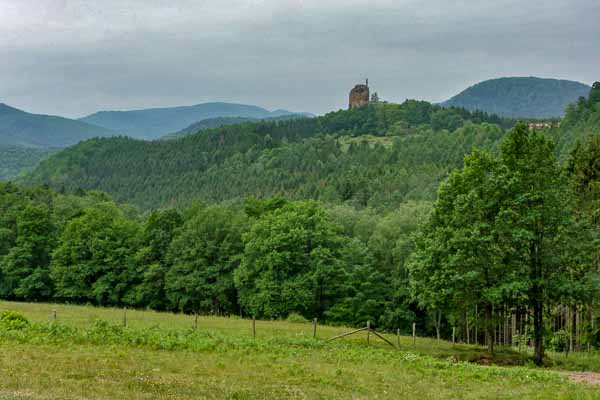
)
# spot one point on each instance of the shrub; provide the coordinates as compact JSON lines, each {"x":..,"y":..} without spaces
{"x":13,"y":320}
{"x":296,"y":318}
{"x":559,"y":341}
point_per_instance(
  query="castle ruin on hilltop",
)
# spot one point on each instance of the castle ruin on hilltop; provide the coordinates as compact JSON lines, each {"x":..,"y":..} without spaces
{"x":359,"y":96}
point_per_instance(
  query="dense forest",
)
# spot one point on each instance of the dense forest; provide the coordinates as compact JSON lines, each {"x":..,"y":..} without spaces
{"x":378,"y":156}
{"x":521,"y":96}
{"x":15,"y":160}
{"x":505,"y":250}
{"x":223,"y":121}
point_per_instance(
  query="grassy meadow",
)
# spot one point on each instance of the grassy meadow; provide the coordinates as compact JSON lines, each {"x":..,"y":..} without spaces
{"x":87,"y":354}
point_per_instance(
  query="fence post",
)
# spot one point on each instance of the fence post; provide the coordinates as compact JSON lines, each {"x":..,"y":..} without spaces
{"x":398,"y":336}
{"x":368,"y":333}
{"x":314,"y":328}
{"x":124,"y":316}
{"x":196,"y":320}
{"x":254,"y":326}
{"x":53,"y":315}
{"x":414,"y":333}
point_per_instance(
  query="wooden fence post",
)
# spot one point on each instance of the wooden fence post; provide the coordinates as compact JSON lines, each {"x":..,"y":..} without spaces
{"x":124,"y":316}
{"x":196,"y":320}
{"x":53,"y":315}
{"x":254,"y":326}
{"x":398,"y":336}
{"x":414,"y":333}
{"x":368,"y":333}
{"x":314,"y":328}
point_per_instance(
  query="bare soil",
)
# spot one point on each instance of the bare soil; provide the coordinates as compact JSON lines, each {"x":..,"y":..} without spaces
{"x":592,"y":378}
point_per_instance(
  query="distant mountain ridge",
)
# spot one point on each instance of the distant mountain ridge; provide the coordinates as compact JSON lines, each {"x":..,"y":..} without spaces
{"x":20,"y":128}
{"x":521,"y":96}
{"x":153,"y":123}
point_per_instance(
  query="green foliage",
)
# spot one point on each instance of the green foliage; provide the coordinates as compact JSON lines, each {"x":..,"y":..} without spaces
{"x":582,"y":119}
{"x":13,"y":320}
{"x":25,"y":268}
{"x":157,"y":235}
{"x":202,"y":260}
{"x":362,"y":289}
{"x":498,"y":232}
{"x":296,"y":318}
{"x":559,"y":341}
{"x":95,"y":258}
{"x":16,"y":160}
{"x":291,"y":262}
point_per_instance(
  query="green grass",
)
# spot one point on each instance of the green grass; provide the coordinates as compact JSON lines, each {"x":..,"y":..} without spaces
{"x":160,"y":356}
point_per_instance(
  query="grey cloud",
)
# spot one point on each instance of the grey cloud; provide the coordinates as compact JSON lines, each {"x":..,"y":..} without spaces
{"x":75,"y":57}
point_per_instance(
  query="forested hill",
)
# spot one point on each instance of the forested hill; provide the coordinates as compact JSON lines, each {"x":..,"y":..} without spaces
{"x":380,"y":155}
{"x":222,"y":121}
{"x":152,"y":123}
{"x":20,"y":128}
{"x":521,"y":96}
{"x":15,"y":160}
{"x":26,"y":138}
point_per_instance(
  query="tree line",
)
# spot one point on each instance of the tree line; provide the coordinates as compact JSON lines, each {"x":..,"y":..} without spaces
{"x":266,"y":258}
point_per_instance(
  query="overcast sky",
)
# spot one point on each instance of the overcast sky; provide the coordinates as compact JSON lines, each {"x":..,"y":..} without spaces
{"x":72,"y":58}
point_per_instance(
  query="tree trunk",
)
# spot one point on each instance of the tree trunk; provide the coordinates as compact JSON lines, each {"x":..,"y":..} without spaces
{"x":489,"y":329}
{"x":467,"y":327}
{"x":538,"y":332}
{"x":573,"y":335}
{"x":476,"y":322}
{"x":438,"y":323}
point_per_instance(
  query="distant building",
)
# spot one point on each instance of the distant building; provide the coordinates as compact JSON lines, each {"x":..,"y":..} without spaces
{"x":359,"y":96}
{"x":543,"y":125}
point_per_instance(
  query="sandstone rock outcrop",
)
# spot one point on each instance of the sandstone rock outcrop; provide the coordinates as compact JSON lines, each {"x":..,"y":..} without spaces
{"x":359,"y":96}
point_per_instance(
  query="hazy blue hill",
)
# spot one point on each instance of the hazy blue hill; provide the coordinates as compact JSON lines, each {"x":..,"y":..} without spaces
{"x":20,"y":128}
{"x":152,"y":123}
{"x":521,"y":96}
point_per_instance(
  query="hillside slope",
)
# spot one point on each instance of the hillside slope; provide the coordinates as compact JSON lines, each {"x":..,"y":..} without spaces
{"x":379,"y":155}
{"x":521,"y":96}
{"x":21,"y":128}
{"x":224,"y":121}
{"x":15,"y":160}
{"x":152,"y":123}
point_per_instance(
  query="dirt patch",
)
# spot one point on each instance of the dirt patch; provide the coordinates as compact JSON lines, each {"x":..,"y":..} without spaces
{"x":592,"y":378}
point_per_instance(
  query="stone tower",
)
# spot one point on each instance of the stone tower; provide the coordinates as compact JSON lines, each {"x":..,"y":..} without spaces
{"x":359,"y":96}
